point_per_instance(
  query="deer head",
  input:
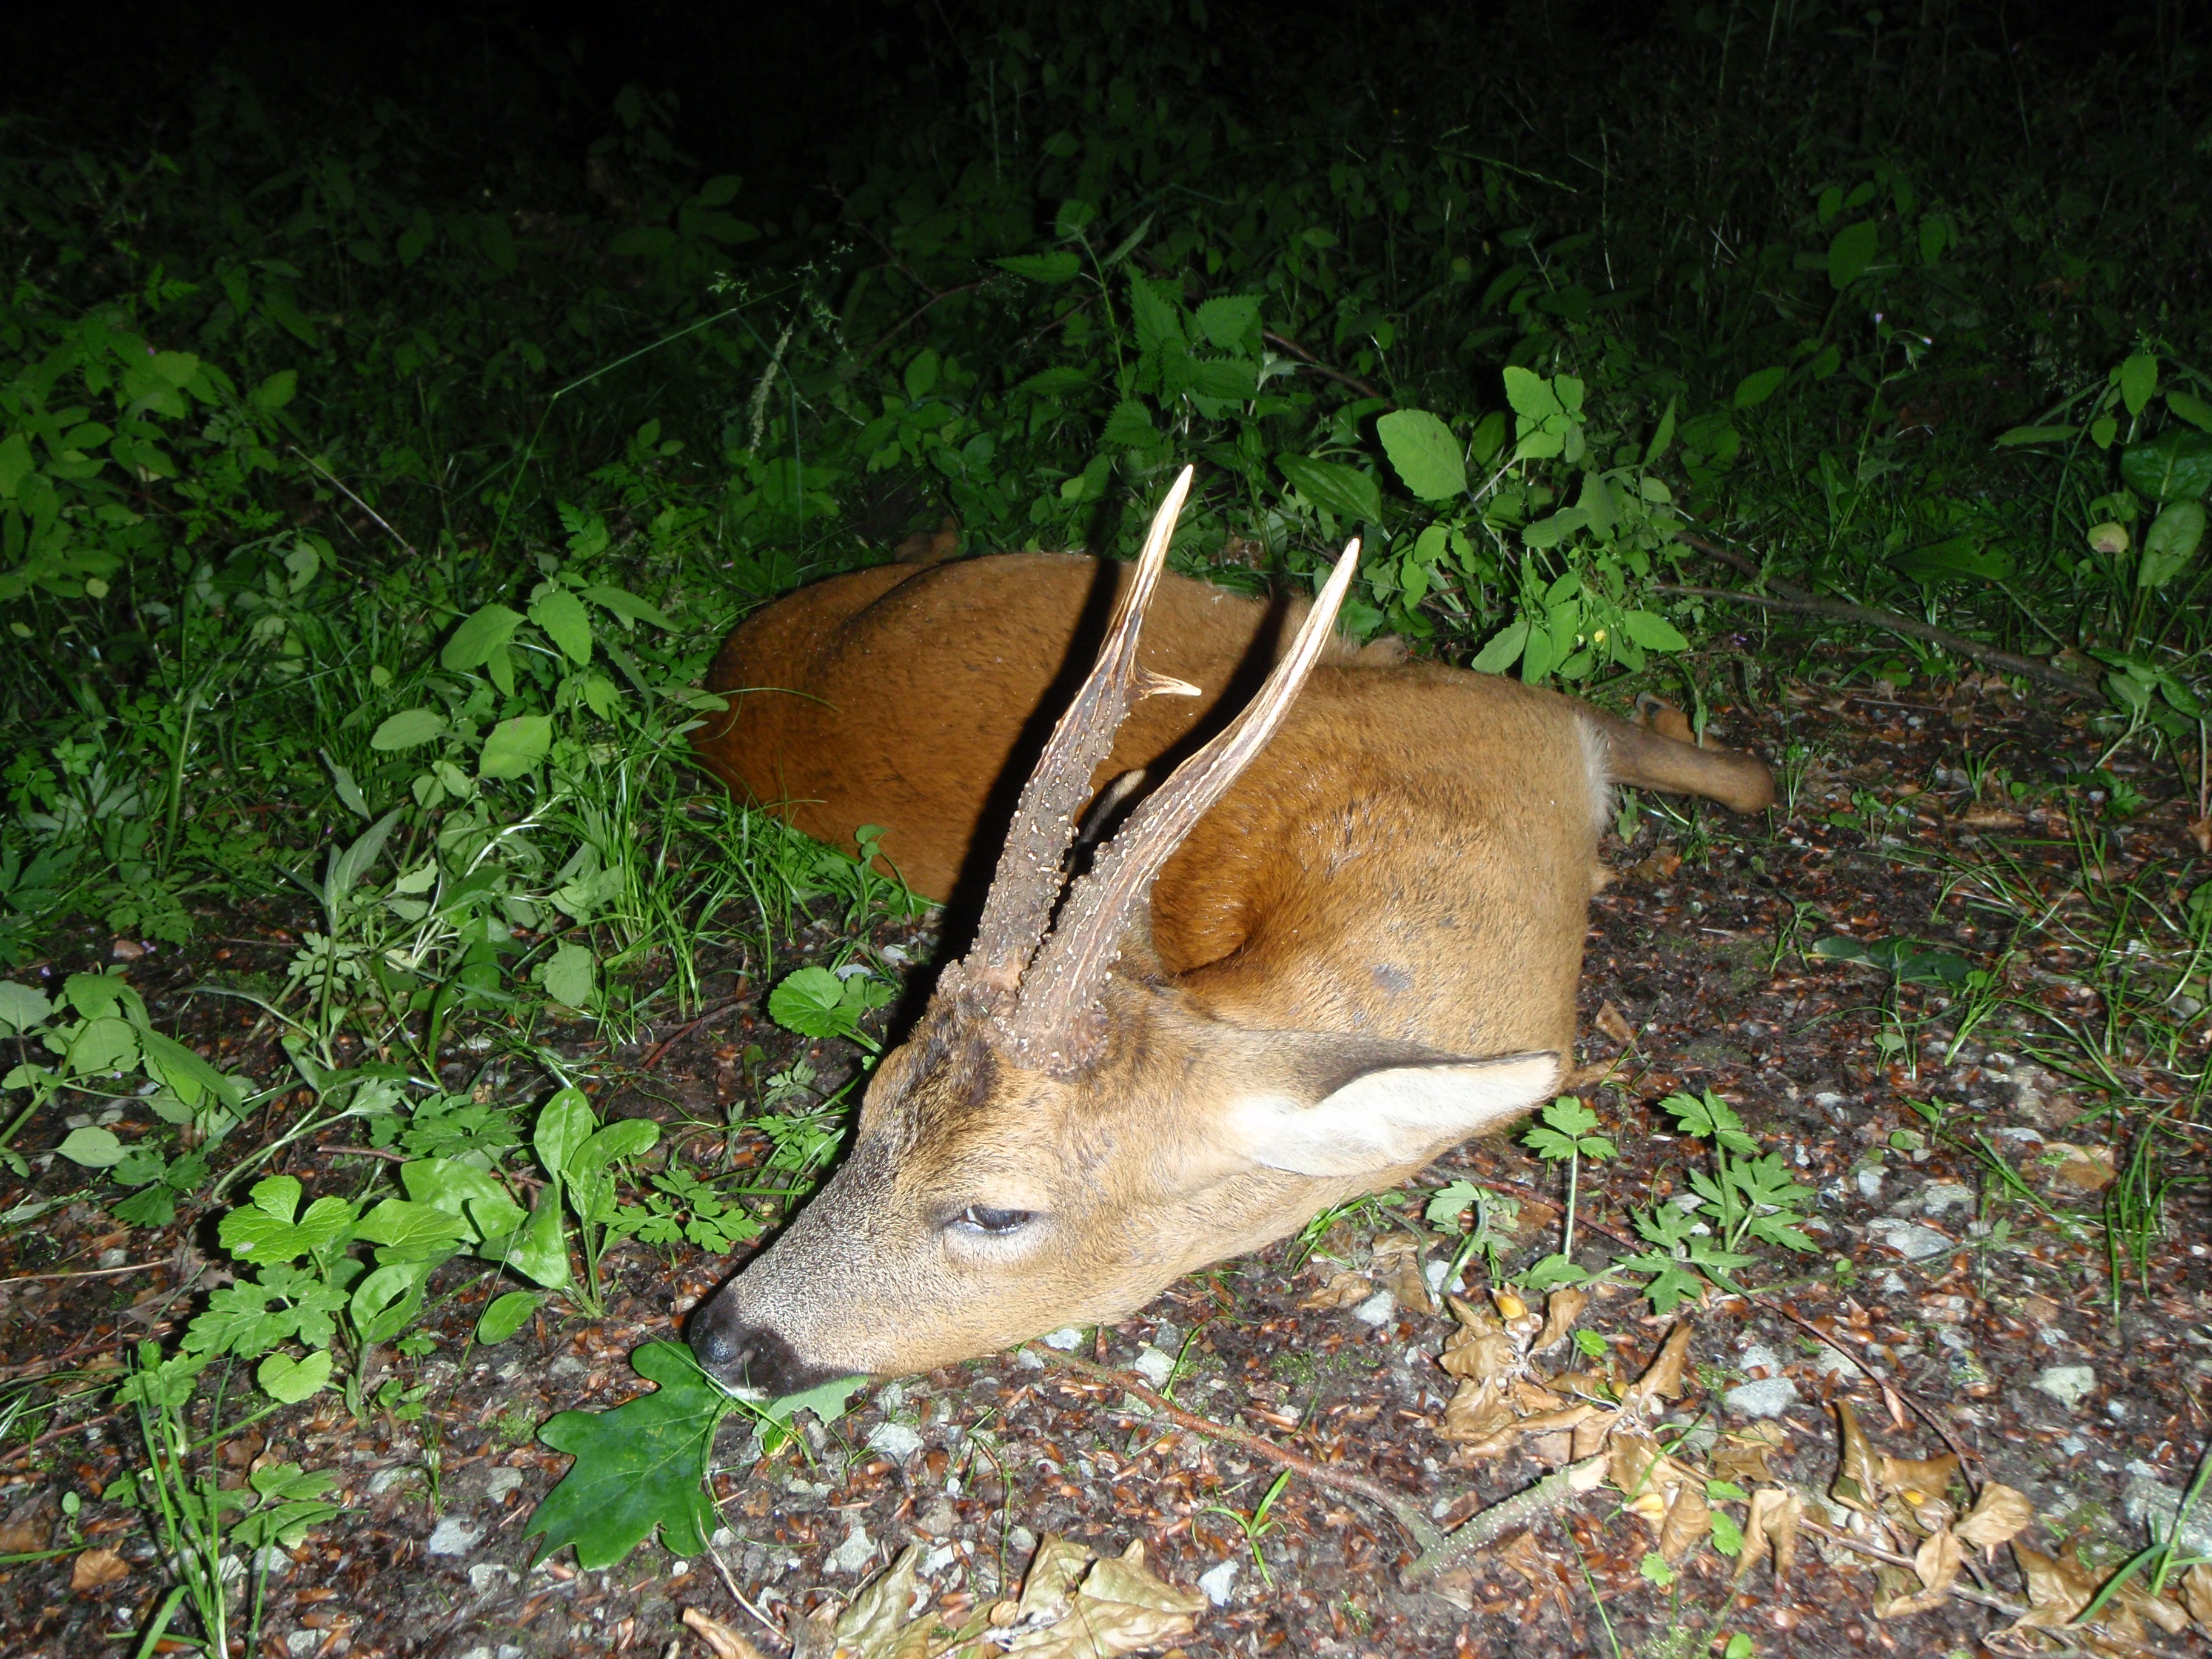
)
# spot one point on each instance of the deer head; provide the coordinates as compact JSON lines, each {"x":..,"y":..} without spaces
{"x":1066,"y":1134}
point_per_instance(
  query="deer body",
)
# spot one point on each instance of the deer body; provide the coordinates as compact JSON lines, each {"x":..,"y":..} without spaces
{"x":1360,"y":947}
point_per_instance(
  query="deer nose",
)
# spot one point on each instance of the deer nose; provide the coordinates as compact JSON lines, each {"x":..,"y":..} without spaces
{"x":754,"y":1357}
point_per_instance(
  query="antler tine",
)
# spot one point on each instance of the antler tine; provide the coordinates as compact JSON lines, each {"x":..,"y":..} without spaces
{"x":1054,"y":1024}
{"x":1027,"y":882}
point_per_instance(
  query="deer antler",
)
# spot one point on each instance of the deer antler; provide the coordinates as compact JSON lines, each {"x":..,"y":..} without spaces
{"x":1055,"y":1023}
{"x":1028,"y":879}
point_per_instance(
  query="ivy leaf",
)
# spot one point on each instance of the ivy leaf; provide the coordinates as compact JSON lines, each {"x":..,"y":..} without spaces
{"x":640,"y":1465}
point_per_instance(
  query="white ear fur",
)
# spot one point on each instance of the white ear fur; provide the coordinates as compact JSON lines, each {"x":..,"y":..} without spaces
{"x":1391,"y":1115}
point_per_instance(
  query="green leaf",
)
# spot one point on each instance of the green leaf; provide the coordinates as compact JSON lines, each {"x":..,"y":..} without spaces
{"x":276,"y":391}
{"x":1452,"y":1201}
{"x":385,"y":1302}
{"x":1344,"y":490}
{"x":2195,"y":410}
{"x":2174,"y":466}
{"x":622,"y":602}
{"x":570,"y":976}
{"x":1229,"y":320}
{"x":626,"y":1138}
{"x":461,"y":1190}
{"x":17,"y":463}
{"x":347,"y":868}
{"x":1663,"y":439}
{"x":1852,"y":253}
{"x":408,"y":728}
{"x":2036,"y":434}
{"x":566,"y":623}
{"x":106,"y":1044}
{"x":1756,"y":388}
{"x":95,"y":1149}
{"x":21,"y":1007}
{"x":2137,"y":377}
{"x":564,"y":1123}
{"x":1129,"y":427}
{"x":640,"y":1465}
{"x":515,"y":745}
{"x":289,"y":1381}
{"x":476,"y":639}
{"x":411,"y":1230}
{"x":540,"y":1249}
{"x":1059,"y":267}
{"x":1425,"y":454}
{"x":506,"y":1314}
{"x":813,"y":1003}
{"x":177,"y":368}
{"x":1653,"y":632}
{"x":2171,"y":543}
{"x":1503,"y":649}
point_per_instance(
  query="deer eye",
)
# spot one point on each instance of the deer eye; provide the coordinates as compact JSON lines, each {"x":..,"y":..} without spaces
{"x":982,"y":1219}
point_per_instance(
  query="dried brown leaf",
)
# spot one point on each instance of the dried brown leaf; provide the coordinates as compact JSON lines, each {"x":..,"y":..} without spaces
{"x":1858,"y":1478}
{"x":1999,"y":1517}
{"x":1614,"y":1024}
{"x":1482,"y":1359}
{"x":21,"y":1534}
{"x":1473,"y":1318}
{"x":2197,"y":1594}
{"x":1521,"y":1554}
{"x":1561,"y":1308}
{"x":2058,"y":1587}
{"x":1775,"y":1513}
{"x":721,"y":1641}
{"x":1689,"y":1518}
{"x":2071,"y":1169}
{"x":1344,"y":1290}
{"x":1662,"y":1377}
{"x":2200,"y":831}
{"x":1744,"y":1456}
{"x":1990,"y":817}
{"x":1918,"y":1478}
{"x":1937,"y":1559}
{"x":95,"y":1567}
{"x":1397,"y":1266}
{"x":1663,"y":863}
{"x":1592,"y":1432}
{"x":1477,"y":1412}
{"x":1529,"y":1397}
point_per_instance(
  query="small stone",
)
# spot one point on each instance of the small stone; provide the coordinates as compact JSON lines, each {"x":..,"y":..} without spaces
{"x":1153,"y":1365}
{"x":1769,"y":1396}
{"x":2070,"y":1385}
{"x":304,"y":1643}
{"x":1021,"y":1542}
{"x":1065,"y":1337}
{"x":567,"y":1365}
{"x":939,"y":1559}
{"x":500,"y":1483}
{"x":939,"y":1518}
{"x":1167,"y":1337}
{"x":1941,"y":1198}
{"x":1026,"y":1361}
{"x":1912,"y":1242}
{"x":855,"y":1552}
{"x":385,"y":1479}
{"x":1219,"y":1582}
{"x":1870,"y":1181}
{"x":1757,"y":1357}
{"x":2153,"y":1504}
{"x":895,"y":1441}
{"x":1376,"y":1310}
{"x":453,"y":1536}
{"x":890,"y":1399}
{"x":2073,"y":1445}
{"x":486,"y":1576}
{"x":1833,"y":1361}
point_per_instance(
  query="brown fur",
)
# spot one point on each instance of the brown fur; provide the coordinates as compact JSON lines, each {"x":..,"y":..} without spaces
{"x":1399,"y":881}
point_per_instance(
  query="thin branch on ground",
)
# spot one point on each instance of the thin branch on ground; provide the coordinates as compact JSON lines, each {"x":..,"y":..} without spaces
{"x":1402,"y":1508}
{"x":1365,"y":388}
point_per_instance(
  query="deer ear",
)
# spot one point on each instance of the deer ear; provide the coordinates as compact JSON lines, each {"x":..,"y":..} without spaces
{"x":1391,"y":1113}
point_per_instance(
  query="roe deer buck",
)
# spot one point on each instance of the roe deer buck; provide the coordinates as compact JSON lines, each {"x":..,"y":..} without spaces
{"x":1341,"y":937}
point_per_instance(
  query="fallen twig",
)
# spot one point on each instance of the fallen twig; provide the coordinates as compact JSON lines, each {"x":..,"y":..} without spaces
{"x":685,"y":1029}
{"x":1401,"y":1509}
{"x":1524,"y":1509}
{"x":1329,"y":371}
